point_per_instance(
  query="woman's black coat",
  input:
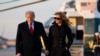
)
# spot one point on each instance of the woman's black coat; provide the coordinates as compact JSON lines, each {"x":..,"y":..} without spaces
{"x":57,"y":36}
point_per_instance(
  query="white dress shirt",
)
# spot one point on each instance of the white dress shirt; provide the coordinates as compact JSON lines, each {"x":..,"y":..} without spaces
{"x":32,"y":25}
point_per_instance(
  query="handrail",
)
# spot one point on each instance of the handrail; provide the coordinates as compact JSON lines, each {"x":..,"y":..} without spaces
{"x":21,"y":5}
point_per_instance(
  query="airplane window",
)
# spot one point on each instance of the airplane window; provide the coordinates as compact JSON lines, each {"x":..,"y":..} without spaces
{"x":83,"y":4}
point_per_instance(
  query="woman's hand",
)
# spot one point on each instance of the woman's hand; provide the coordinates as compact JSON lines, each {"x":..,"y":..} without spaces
{"x":46,"y":52}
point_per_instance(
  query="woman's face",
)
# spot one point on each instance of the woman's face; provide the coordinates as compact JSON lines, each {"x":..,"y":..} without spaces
{"x":58,"y":19}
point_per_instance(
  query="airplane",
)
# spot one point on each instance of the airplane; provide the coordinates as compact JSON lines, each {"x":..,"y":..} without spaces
{"x":3,"y":44}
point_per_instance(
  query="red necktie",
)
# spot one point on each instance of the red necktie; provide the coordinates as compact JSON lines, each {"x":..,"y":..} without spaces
{"x":31,"y":29}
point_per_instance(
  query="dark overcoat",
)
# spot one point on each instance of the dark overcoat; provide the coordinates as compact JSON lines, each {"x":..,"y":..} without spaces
{"x":57,"y":40}
{"x":30,"y":44}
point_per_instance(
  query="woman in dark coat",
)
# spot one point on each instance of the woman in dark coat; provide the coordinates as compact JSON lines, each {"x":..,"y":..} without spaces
{"x":60,"y":36}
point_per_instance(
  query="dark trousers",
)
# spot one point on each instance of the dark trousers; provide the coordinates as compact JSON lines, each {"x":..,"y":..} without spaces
{"x":34,"y":53}
{"x":66,"y":53}
{"x":37,"y":54}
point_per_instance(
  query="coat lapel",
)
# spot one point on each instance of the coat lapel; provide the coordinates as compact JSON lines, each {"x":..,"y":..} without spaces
{"x":34,"y":25}
{"x":56,"y":31}
{"x":27,"y":27}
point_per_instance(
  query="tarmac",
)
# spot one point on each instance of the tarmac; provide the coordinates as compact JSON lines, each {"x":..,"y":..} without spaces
{"x":75,"y":51}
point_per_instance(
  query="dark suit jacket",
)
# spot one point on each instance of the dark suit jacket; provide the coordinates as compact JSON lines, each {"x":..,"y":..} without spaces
{"x":29,"y":44}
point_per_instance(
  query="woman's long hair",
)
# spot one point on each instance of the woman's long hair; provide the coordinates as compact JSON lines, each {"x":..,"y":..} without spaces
{"x":64,"y":18}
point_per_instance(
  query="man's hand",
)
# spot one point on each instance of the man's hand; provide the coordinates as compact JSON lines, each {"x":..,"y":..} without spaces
{"x":18,"y":54}
{"x":66,"y":48}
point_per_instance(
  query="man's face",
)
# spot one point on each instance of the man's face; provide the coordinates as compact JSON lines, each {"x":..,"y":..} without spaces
{"x":30,"y":17}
